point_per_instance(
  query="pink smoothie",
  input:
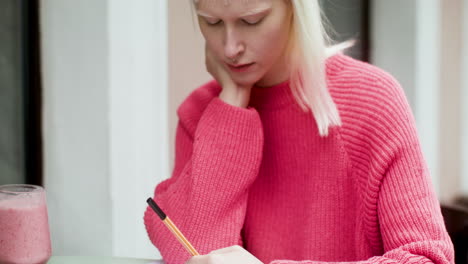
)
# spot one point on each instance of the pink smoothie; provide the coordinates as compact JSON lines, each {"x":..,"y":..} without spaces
{"x":24,"y":229}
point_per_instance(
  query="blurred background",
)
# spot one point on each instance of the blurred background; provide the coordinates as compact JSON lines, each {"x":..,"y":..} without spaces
{"x":89,"y":91}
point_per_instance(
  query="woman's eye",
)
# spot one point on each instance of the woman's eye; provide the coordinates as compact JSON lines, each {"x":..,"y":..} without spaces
{"x":211,"y":23}
{"x":252,"y":23}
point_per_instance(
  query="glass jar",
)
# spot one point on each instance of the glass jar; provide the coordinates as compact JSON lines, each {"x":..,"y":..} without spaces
{"x":24,"y":225}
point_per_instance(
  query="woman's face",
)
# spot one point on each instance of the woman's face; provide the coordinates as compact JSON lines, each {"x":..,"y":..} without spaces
{"x":252,"y":32}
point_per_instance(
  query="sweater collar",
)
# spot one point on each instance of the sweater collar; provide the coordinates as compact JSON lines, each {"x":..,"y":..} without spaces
{"x":280,"y":95}
{"x":276,"y":96}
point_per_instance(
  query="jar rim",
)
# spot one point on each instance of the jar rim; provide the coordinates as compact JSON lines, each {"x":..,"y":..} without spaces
{"x":17,"y":189}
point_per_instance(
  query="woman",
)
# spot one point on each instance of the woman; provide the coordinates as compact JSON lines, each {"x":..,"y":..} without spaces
{"x":294,"y":152}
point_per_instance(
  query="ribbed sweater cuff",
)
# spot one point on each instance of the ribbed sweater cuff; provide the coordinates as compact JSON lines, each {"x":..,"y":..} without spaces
{"x":226,"y":119}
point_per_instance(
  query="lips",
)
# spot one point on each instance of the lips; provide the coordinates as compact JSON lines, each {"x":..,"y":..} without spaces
{"x":240,"y":67}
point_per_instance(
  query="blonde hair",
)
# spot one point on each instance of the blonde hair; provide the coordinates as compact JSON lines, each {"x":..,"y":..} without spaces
{"x":310,"y":46}
{"x":308,"y":49}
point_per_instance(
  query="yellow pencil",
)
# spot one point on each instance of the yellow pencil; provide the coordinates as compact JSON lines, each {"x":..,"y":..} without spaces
{"x":172,"y":227}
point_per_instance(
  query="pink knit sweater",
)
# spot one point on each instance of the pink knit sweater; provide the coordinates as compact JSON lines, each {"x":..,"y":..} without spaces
{"x":263,"y":178}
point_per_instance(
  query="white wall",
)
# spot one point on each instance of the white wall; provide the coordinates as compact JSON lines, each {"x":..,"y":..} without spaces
{"x":464,"y":133}
{"x":450,"y":98}
{"x":138,"y":117}
{"x":426,"y":103}
{"x":105,"y":121}
{"x":76,"y":129}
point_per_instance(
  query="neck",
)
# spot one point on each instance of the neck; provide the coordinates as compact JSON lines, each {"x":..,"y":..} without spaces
{"x":277,"y":74}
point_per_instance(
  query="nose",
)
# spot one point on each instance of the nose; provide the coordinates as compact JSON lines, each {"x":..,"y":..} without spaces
{"x":233,"y":45}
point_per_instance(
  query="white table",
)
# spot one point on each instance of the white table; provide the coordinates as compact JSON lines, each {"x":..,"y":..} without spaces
{"x":99,"y":260}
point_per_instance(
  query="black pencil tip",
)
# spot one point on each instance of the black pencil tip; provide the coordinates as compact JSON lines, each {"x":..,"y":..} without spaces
{"x":156,"y":208}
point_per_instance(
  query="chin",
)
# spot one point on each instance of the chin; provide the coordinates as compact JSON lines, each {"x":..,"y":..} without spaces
{"x":248,"y":80}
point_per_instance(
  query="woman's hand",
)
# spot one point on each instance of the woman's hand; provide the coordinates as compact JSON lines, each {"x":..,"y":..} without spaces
{"x":230,"y":255}
{"x":232,"y":93}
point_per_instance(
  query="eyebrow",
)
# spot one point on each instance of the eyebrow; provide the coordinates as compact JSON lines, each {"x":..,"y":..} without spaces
{"x":248,"y":13}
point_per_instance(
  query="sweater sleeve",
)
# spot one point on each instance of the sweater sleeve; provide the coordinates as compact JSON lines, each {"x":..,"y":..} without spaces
{"x":206,"y":196}
{"x":404,"y":214}
{"x":411,"y":224}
